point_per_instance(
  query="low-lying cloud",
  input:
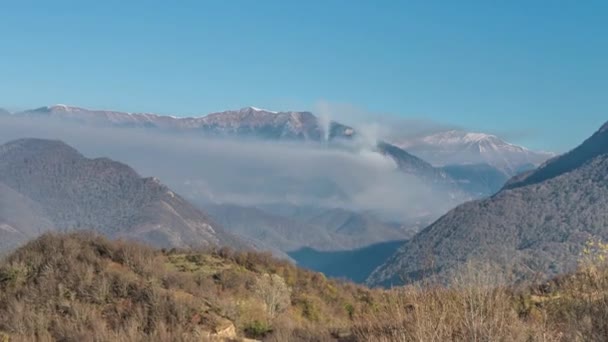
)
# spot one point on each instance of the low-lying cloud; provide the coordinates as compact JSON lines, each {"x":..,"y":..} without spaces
{"x":380,"y":126}
{"x":249,"y":172}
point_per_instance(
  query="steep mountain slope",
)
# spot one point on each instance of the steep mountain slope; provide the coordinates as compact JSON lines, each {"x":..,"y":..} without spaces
{"x":595,"y":146}
{"x":414,"y":165}
{"x":460,"y":147}
{"x":54,"y":184}
{"x":535,"y":227}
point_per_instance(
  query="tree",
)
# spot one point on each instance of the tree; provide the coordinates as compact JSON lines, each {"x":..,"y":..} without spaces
{"x":275,"y":293}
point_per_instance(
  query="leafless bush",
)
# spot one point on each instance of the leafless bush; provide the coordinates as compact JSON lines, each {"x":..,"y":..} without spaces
{"x":271,"y":288}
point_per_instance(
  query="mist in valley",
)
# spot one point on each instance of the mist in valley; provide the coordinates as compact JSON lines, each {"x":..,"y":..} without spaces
{"x":250,"y":172}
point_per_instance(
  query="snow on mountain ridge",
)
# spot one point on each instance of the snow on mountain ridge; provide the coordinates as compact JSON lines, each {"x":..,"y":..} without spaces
{"x":249,"y":121}
{"x":256,"y":111}
{"x":461,"y":147}
{"x":263,"y":110}
{"x":462,"y":137}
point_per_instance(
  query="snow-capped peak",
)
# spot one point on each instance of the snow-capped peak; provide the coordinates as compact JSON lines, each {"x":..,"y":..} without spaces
{"x":256,"y":109}
{"x":461,"y":147}
{"x":476,"y":137}
{"x":455,"y":136}
{"x":60,"y":106}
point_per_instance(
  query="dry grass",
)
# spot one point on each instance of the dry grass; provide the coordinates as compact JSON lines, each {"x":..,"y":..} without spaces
{"x":82,"y":287}
{"x":480,"y":306}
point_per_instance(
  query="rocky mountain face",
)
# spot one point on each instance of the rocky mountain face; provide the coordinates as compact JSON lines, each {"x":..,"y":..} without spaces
{"x":535,"y":227}
{"x":47,"y":185}
{"x":456,"y":147}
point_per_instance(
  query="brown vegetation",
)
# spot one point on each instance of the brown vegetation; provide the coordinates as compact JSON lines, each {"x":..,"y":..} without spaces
{"x":82,"y":287}
{"x":480,"y":306}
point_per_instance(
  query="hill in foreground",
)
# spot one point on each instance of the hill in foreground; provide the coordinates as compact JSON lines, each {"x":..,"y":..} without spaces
{"x":82,"y":287}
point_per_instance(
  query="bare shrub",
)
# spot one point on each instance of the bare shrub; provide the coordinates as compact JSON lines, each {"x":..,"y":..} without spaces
{"x":476,"y":307}
{"x":275,"y":293}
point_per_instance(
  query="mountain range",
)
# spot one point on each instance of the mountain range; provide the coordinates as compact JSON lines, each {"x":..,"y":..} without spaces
{"x":303,"y":228}
{"x":415,"y":155}
{"x":457,"y":147}
{"x":47,"y":185}
{"x":534,"y":228}
{"x":291,"y":128}
{"x":249,"y":121}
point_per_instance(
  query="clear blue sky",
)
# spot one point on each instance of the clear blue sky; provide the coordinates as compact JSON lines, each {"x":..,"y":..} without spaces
{"x":535,"y":71}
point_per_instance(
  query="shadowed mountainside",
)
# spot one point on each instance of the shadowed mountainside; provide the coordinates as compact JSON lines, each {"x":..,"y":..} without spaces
{"x":50,"y":185}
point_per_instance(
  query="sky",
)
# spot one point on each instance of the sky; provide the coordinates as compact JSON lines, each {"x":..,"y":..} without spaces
{"x":534,"y":72}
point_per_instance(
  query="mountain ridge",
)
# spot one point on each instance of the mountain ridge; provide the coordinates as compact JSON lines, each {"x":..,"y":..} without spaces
{"x":459,"y":147}
{"x":595,"y":145}
{"x":74,"y":192}
{"x":249,"y":122}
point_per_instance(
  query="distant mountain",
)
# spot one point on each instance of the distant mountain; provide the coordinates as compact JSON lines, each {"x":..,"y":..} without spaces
{"x":337,"y":242}
{"x":428,"y":184}
{"x":480,"y":180}
{"x":414,"y":165}
{"x":271,"y":232}
{"x":358,"y":229}
{"x":535,"y":227}
{"x":245,"y":122}
{"x":456,"y":147}
{"x":46,"y":185}
{"x":318,"y":228}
